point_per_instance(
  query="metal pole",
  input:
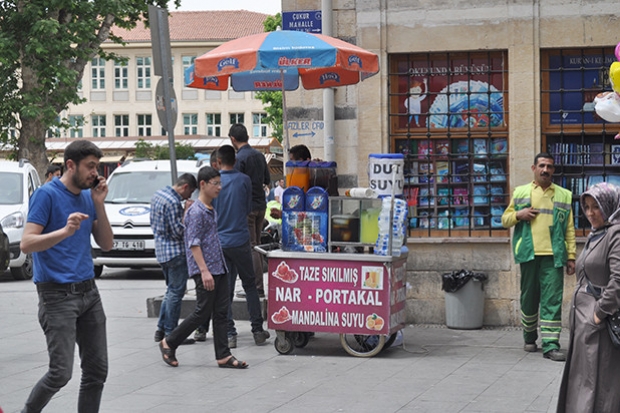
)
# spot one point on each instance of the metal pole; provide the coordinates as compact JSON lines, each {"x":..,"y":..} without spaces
{"x":167,"y":85}
{"x":329,"y":151}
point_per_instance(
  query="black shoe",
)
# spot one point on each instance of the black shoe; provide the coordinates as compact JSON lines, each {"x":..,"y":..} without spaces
{"x":555,"y":355}
{"x":159,"y":335}
{"x":188,"y":341}
{"x":260,"y":337}
{"x":241,"y":294}
{"x":200,"y":335}
{"x":530,"y":347}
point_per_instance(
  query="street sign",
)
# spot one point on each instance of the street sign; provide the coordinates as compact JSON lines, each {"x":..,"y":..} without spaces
{"x":305,"y":128}
{"x":161,"y":106}
{"x":302,"y":21}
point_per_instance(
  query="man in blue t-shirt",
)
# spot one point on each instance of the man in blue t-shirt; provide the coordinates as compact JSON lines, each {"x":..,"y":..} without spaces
{"x":62,"y":216}
{"x":233,"y":205}
{"x":252,"y":163}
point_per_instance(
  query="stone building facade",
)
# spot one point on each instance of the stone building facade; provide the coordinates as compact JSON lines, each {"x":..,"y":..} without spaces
{"x":530,"y":47}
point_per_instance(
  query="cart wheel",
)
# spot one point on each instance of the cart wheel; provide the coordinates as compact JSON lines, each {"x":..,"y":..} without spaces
{"x":362,"y":346}
{"x":285,"y":346}
{"x":300,"y":339}
{"x":389,"y":341}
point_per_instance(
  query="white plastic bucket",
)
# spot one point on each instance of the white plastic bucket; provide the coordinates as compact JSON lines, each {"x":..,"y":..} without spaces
{"x":386,"y":170}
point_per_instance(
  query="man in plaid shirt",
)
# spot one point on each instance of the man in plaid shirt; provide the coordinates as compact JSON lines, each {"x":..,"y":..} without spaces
{"x":167,"y":213}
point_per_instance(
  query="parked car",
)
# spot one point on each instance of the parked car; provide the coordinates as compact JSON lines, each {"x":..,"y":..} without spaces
{"x":18,"y":181}
{"x":5,"y":252}
{"x":128,"y":206}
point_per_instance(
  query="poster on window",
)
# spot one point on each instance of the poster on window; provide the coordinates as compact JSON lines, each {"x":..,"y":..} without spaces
{"x":574,"y":82}
{"x":451,"y":91}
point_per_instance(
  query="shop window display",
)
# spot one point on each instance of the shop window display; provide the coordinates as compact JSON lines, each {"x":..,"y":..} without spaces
{"x":448,"y":116}
{"x":582,"y":143}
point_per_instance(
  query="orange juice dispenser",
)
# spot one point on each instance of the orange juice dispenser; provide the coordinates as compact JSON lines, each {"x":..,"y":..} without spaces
{"x":298,"y":174}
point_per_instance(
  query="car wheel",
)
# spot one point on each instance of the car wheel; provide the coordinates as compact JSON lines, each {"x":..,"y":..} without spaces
{"x":98,"y":270}
{"x":24,"y":272}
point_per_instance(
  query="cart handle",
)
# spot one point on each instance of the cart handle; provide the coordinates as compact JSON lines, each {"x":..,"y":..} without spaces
{"x":265,"y":248}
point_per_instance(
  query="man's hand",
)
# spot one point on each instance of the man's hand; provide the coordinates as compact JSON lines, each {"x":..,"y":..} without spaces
{"x":99,"y":192}
{"x":570,"y":267}
{"x":597,"y":320}
{"x":527,"y":214}
{"x":74,"y":221}
{"x":275,"y":213}
{"x":207,"y":280}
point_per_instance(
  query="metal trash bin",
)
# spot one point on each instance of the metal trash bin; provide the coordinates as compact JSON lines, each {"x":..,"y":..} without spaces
{"x":464,"y":299}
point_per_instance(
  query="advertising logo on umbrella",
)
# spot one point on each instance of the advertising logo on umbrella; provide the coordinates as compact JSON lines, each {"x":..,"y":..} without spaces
{"x":229,"y":61}
{"x":295,"y":61}
{"x":331,"y":76}
{"x":355,"y":59}
{"x":277,"y":84}
{"x":211,"y":79}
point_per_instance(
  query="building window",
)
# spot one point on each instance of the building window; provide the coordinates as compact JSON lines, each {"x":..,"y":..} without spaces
{"x":259,"y":125}
{"x":190,"y":124}
{"x":144,"y":125}
{"x":582,"y":144}
{"x":98,"y":124}
{"x":143,"y":73}
{"x":120,"y":76}
{"x":97,"y":73}
{"x":121,"y":125}
{"x":448,"y":118}
{"x":187,"y":61}
{"x":236,"y":118}
{"x":214,"y":124}
{"x":76,"y":126}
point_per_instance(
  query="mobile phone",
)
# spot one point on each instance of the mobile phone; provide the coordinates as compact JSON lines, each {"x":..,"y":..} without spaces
{"x":95,"y":183}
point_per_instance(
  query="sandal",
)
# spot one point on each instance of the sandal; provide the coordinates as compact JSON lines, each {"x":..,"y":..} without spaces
{"x":233,"y":363}
{"x":168,"y":355}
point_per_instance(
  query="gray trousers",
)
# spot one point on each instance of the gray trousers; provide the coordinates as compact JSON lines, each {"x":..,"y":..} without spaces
{"x":68,"y":318}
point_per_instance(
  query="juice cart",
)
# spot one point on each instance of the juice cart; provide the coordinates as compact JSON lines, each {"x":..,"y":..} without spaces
{"x":360,"y":296}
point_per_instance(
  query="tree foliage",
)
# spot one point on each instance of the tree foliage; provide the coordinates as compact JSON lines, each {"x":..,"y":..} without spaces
{"x":147,"y":150}
{"x":45,"y":46}
{"x":271,"y":99}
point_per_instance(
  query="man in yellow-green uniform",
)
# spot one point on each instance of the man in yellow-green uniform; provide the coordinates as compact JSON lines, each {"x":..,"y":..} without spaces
{"x":543,"y":243}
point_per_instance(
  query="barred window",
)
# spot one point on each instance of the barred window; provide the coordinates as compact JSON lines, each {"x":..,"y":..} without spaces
{"x":448,"y":116}
{"x":98,"y":123}
{"x":76,"y":126}
{"x":120,"y":76}
{"x":143,"y":73}
{"x":121,"y":125}
{"x":97,"y":73}
{"x":582,"y":143}
{"x":214,"y":124}
{"x":190,"y":124}
{"x":145,"y":125}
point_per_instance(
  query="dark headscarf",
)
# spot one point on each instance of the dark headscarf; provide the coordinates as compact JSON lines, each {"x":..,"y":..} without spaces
{"x":607,"y":196}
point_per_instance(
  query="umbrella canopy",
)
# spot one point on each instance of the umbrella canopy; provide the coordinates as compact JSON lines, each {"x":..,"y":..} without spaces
{"x":278,"y":60}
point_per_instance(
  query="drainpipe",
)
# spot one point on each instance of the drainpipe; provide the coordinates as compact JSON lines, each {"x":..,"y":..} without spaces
{"x":328,"y":94}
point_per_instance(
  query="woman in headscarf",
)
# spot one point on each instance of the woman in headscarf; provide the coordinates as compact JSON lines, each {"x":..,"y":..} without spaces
{"x":591,"y":376}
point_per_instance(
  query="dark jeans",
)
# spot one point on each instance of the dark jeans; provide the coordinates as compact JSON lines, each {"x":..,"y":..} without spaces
{"x":239,"y":261}
{"x":207,"y":302}
{"x":67,"y":318}
{"x":255,"y":224}
{"x":175,"y":274}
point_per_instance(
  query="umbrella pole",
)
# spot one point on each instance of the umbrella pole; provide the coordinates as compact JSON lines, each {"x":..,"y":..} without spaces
{"x":284,"y":117}
{"x":285,"y":124}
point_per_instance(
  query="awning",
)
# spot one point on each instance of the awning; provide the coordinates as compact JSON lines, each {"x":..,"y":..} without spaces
{"x":110,"y":159}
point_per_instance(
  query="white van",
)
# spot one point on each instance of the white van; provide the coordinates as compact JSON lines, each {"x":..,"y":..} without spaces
{"x":128,"y":206}
{"x":18,"y":181}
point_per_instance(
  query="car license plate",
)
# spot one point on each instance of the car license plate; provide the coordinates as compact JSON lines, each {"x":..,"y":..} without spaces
{"x":129,"y":245}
